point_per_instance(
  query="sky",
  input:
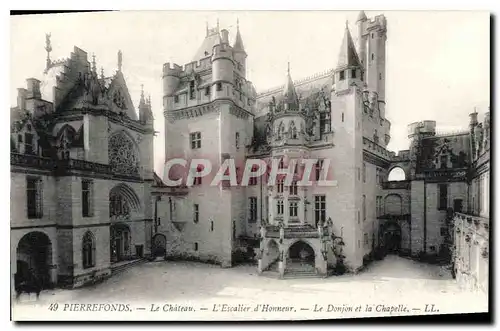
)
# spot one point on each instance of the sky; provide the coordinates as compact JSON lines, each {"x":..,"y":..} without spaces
{"x":438,"y":62}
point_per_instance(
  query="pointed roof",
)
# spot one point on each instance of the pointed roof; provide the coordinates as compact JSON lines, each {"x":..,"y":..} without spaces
{"x":347,"y":56}
{"x":289,"y":93}
{"x":212,"y":38}
{"x":361,"y":16}
{"x":238,"y":43}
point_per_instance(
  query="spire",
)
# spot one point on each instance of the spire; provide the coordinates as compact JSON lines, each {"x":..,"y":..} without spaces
{"x":348,"y":56}
{"x":218,"y":30}
{"x":120,"y":59}
{"x":94,"y":69}
{"x":206,"y":23}
{"x":290,"y":97}
{"x":238,"y":43}
{"x":48,"y":48}
{"x":142,"y":101}
{"x":361,"y":16}
{"x":102,"y":73}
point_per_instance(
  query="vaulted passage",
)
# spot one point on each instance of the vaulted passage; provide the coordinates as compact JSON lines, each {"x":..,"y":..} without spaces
{"x":34,"y":256}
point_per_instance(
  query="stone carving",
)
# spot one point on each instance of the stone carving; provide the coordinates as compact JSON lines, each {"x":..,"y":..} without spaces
{"x":123,"y":157}
{"x":119,"y":99}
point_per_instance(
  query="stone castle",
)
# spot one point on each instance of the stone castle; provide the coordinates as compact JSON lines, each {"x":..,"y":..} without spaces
{"x":86,"y":200}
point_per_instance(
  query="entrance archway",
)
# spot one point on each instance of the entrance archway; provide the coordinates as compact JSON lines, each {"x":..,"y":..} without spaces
{"x":300,"y":257}
{"x":391,"y":238}
{"x":120,"y":242}
{"x":34,"y":257}
{"x":159,"y":245}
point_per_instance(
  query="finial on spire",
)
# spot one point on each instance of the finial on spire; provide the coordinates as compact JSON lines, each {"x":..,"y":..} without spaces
{"x":237,"y":23}
{"x":120,"y":59}
{"x":217,"y":25}
{"x":48,"y":45}
{"x":288,"y":68}
{"x":206,"y":25}
{"x":102,"y":73}
{"x":142,"y":90}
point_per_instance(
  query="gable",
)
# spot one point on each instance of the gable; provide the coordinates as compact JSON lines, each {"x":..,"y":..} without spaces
{"x":120,"y":100}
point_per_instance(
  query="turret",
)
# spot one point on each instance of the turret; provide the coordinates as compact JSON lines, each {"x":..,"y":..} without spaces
{"x":240,"y":55}
{"x":21,"y":98}
{"x":222,"y":71}
{"x":362,"y":38}
{"x":145,"y":113}
{"x":348,"y":71}
{"x":33,"y":89}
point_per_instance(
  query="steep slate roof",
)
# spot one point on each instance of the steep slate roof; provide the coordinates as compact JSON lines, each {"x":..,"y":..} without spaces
{"x":238,"y":43}
{"x":347,"y":56}
{"x":212,"y":38}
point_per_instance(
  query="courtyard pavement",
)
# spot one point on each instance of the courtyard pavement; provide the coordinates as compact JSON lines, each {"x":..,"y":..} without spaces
{"x":196,"y":291}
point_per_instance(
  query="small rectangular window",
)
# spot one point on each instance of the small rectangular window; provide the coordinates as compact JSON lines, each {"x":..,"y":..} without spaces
{"x":207,"y":91}
{"x":237,"y":140}
{"x":293,"y":188}
{"x":279,"y":207}
{"x":443,"y":196}
{"x":219,"y":86}
{"x":342,"y":75}
{"x":280,"y":183}
{"x":87,"y":198}
{"x":176,"y":99}
{"x":192,"y":91}
{"x":342,"y":117}
{"x":196,"y":246}
{"x":319,"y":209}
{"x":293,"y":209}
{"x":353,"y":73}
{"x":319,"y":166}
{"x":195,"y":138}
{"x":253,"y":210}
{"x":196,"y":213}
{"x":34,"y":197}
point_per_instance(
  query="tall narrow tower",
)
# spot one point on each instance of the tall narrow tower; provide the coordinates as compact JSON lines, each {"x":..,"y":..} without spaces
{"x":372,"y":36}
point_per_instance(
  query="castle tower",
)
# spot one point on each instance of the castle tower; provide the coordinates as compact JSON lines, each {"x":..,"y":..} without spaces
{"x":347,"y":156}
{"x":372,"y":36}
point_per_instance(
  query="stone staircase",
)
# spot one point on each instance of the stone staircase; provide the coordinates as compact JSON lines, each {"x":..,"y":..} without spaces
{"x":124,"y":265}
{"x":296,"y":269}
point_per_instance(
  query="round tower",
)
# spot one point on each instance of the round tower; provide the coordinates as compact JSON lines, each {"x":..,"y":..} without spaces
{"x":222,"y":71}
{"x":171,"y":79}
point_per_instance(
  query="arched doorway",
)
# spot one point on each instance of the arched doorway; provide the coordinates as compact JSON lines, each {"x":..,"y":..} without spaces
{"x":300,"y":257}
{"x":159,"y":245}
{"x":391,"y":238}
{"x":120,"y":242}
{"x":34,"y":258}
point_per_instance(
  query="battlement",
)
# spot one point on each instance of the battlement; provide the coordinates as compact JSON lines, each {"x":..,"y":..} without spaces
{"x":177,"y":70}
{"x":427,"y":128}
{"x":298,"y":82}
{"x":378,"y":21}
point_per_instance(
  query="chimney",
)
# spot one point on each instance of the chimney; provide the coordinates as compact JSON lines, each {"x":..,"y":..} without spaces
{"x":33,"y":89}
{"x":21,"y":98}
{"x":225,"y":36}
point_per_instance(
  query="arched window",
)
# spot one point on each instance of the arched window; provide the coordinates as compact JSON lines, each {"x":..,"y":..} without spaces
{"x":397,"y":174}
{"x":88,"y":250}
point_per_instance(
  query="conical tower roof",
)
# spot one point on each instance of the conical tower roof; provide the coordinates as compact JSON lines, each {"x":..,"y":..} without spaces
{"x":348,"y":56}
{"x":289,"y":93}
{"x":238,"y":43}
{"x":361,"y":16}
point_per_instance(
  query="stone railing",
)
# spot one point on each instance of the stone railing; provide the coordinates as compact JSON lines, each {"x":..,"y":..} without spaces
{"x":443,"y":174}
{"x":59,"y":167}
{"x":471,"y":251}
